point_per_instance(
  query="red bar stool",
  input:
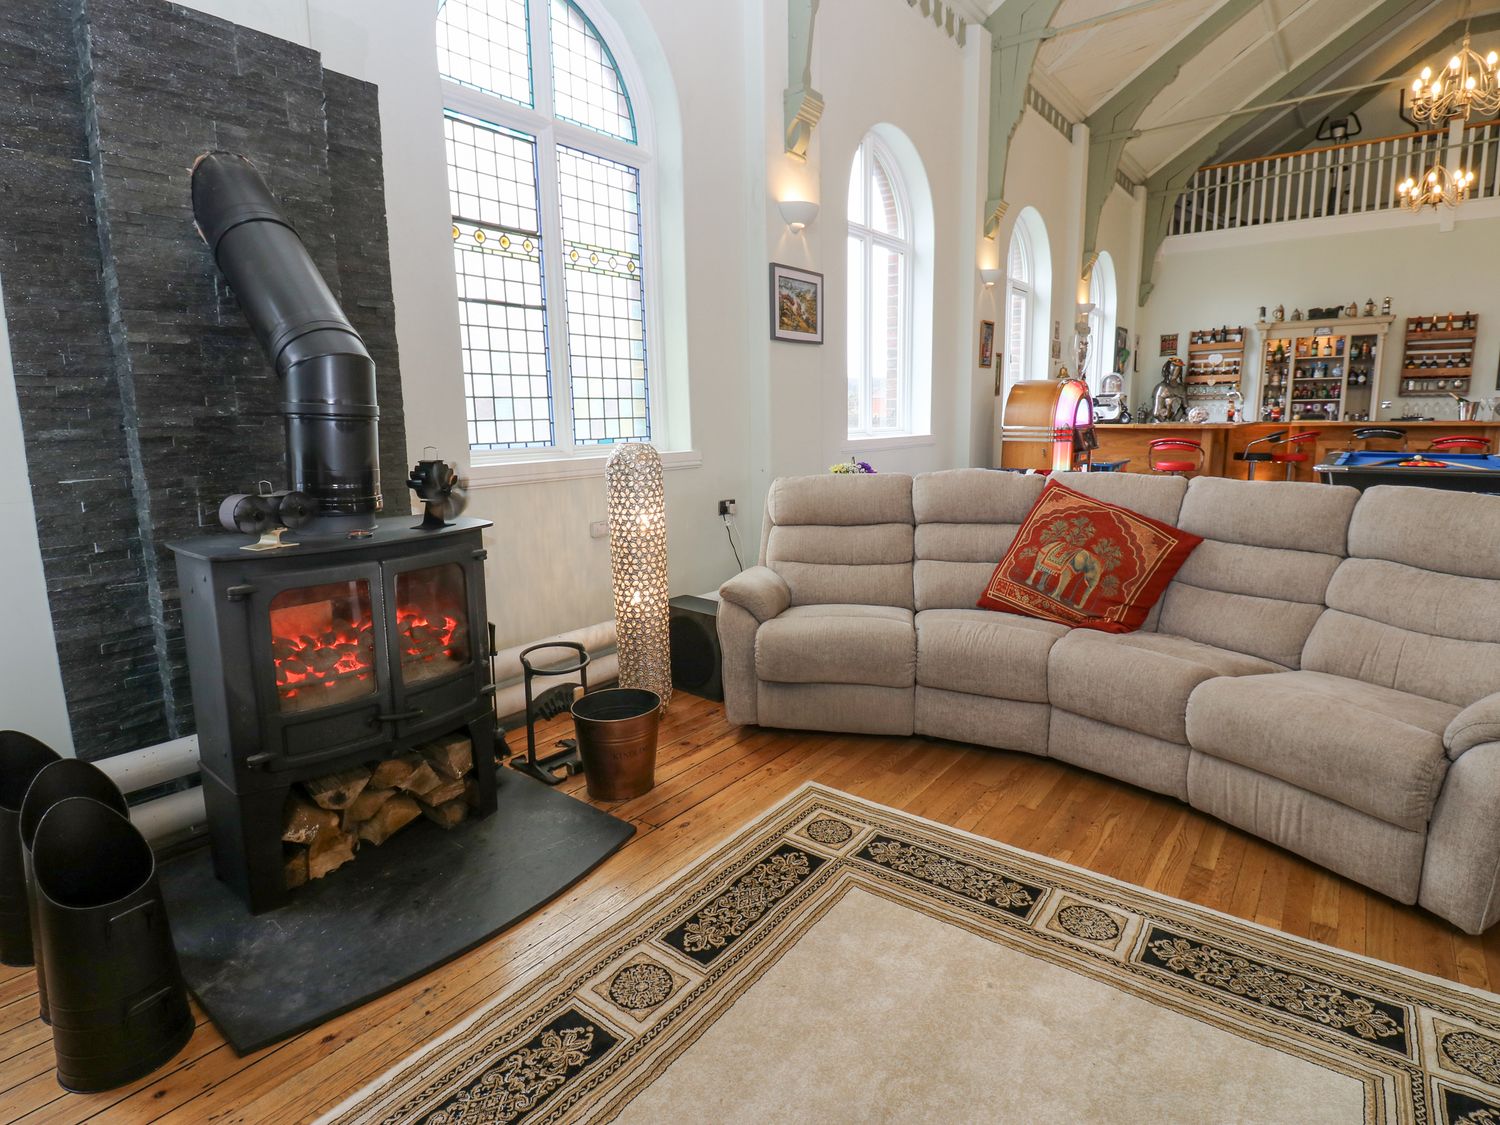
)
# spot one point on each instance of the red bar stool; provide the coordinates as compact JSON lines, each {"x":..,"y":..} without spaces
{"x":1462,"y":443}
{"x":1186,"y":456}
{"x":1294,"y":454}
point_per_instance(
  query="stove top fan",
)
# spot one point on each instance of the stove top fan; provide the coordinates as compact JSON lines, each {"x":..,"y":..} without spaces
{"x":442,"y":494}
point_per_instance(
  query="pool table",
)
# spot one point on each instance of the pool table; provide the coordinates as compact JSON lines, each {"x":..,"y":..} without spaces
{"x":1462,"y":472}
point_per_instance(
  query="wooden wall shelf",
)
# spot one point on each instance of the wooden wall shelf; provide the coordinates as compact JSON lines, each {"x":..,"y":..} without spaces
{"x":1450,"y":349}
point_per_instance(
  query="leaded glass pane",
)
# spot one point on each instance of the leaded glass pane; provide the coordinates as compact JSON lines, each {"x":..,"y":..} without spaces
{"x":586,"y":85}
{"x":601,"y":229}
{"x":497,"y":257}
{"x":485,"y":44}
{"x":491,"y":174}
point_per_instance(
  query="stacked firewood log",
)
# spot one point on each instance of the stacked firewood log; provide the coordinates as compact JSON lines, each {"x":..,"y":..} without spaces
{"x":327,"y":819}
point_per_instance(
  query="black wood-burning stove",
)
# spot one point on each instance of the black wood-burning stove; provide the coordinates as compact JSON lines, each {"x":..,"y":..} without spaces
{"x":364,"y":637}
{"x":324,"y":656}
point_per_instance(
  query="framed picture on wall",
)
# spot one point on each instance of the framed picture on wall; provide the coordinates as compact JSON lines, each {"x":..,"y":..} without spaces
{"x":1122,"y":350}
{"x":1169,"y":344}
{"x":796,"y":304}
{"x":986,"y":343}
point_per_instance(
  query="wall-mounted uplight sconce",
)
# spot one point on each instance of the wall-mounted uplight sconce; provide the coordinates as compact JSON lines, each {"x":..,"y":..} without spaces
{"x":990,"y":276}
{"x":797,"y":213}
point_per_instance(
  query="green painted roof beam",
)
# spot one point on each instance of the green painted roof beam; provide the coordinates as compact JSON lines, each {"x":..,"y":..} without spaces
{"x":1434,"y":50}
{"x":1165,"y":185}
{"x":1119,"y":115}
{"x":1013,"y":28}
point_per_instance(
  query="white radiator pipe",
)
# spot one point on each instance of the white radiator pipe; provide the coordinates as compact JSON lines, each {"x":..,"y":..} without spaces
{"x":594,"y":638}
{"x":154,"y":765}
{"x":181,"y":812}
{"x":176,"y":814}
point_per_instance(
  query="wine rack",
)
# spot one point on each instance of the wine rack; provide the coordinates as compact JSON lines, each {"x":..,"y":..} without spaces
{"x":1439,"y":354}
{"x":1226,"y":343}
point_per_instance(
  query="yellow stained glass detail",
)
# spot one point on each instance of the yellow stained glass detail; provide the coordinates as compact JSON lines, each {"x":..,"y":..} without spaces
{"x":455,"y":232}
{"x":505,"y":242}
{"x":479,"y":236}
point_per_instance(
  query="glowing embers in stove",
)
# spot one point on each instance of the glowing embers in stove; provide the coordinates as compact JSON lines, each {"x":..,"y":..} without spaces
{"x":323,"y":644}
{"x":432,"y":621}
{"x":323,"y":638}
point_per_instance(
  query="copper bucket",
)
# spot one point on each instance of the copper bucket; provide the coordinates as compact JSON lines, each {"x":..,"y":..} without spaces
{"x":616,"y":731}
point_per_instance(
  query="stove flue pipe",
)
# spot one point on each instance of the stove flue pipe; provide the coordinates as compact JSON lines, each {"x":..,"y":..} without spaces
{"x":328,"y":378}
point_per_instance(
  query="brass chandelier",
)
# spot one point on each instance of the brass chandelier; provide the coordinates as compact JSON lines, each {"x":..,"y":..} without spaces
{"x":1468,"y":84}
{"x":1438,"y":187}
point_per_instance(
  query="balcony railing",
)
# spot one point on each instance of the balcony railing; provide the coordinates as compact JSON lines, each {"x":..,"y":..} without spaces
{"x":1359,"y":177}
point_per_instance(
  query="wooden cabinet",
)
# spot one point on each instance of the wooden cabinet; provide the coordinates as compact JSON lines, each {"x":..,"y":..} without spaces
{"x":1320,"y":370}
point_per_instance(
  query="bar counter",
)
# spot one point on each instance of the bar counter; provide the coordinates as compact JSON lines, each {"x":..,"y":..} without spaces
{"x":1222,"y":440}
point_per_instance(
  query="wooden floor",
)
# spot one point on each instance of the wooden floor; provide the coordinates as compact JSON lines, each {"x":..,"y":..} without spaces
{"x":711,"y":778}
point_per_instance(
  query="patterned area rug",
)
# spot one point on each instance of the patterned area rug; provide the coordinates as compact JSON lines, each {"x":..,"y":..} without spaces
{"x":838,"y":960}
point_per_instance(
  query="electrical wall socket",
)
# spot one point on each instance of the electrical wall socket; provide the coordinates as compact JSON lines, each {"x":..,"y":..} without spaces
{"x":726,"y":507}
{"x":599,"y":529}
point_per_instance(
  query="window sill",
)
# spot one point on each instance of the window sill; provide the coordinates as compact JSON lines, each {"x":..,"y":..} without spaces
{"x":501,"y":474}
{"x":895,"y":441}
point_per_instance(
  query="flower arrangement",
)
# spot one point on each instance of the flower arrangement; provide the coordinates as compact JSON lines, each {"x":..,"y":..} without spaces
{"x":852,"y":467}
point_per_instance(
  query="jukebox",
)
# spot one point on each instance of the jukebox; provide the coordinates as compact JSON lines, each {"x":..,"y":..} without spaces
{"x":1048,"y":426}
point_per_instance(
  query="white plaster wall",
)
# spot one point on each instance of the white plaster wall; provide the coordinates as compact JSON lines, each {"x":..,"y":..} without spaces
{"x":1046,"y":171}
{"x":31,"y":692}
{"x":875,"y":62}
{"x":1224,"y":279}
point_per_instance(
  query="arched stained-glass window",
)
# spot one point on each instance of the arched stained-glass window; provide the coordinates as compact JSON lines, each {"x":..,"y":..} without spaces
{"x":545,"y":174}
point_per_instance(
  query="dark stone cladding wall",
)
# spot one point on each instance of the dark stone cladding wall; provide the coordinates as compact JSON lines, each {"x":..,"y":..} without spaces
{"x":193,"y":403}
{"x":65,"y":383}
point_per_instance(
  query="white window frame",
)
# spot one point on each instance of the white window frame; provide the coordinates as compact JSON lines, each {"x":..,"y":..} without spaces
{"x":1103,"y":295}
{"x":1016,"y":358}
{"x":872,"y":149}
{"x":566,"y":458}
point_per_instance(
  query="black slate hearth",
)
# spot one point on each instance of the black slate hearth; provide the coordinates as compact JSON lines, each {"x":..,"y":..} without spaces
{"x":402,"y":909}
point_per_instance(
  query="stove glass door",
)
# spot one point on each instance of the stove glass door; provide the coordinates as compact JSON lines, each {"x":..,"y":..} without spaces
{"x":432,"y":622}
{"x":323,"y":645}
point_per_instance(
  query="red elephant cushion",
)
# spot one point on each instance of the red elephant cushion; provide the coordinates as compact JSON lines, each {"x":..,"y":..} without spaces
{"x":1087,"y":564}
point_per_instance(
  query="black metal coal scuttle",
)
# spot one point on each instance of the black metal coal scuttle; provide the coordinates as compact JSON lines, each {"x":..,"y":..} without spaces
{"x":325,"y":656}
{"x":340,"y":638}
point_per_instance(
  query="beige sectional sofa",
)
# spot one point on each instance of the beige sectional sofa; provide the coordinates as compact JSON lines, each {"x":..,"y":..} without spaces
{"x":1324,"y":671}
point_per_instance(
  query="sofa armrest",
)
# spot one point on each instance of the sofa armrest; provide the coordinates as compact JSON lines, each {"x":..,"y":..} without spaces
{"x":1461,"y":870}
{"x":760,"y":591}
{"x":1478,"y":722}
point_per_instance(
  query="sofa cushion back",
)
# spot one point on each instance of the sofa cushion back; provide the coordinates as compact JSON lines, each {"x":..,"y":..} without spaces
{"x":1159,"y":497}
{"x":1416,"y":606}
{"x":1256,"y":584}
{"x":966,"y":519}
{"x":842,"y":538}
